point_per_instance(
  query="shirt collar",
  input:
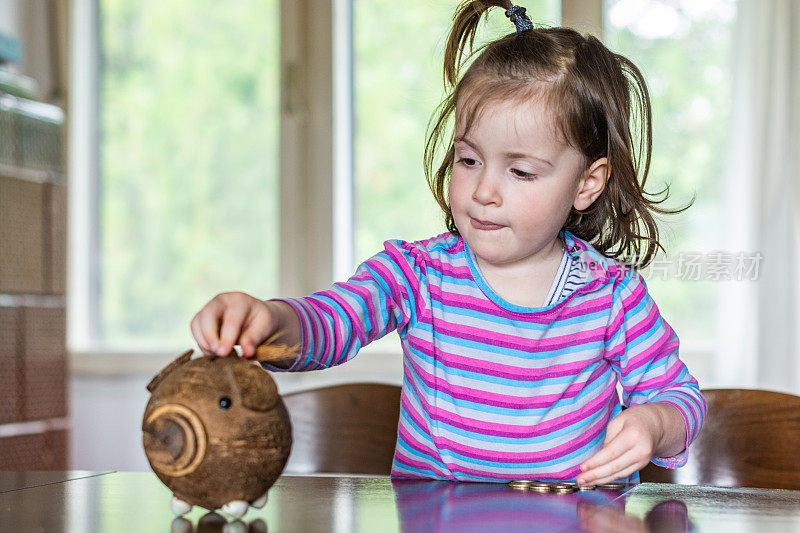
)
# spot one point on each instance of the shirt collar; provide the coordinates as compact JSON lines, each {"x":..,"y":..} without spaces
{"x":598,"y":266}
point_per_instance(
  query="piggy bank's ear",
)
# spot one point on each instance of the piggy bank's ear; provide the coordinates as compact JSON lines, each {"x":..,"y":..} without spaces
{"x":258,"y":390}
{"x":181,"y":360}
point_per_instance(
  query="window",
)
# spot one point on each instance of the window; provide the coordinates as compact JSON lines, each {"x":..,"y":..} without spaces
{"x":188,"y":164}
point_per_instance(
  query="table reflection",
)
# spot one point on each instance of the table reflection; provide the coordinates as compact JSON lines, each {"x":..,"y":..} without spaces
{"x":667,"y":517}
{"x":136,"y":502}
{"x":216,"y":523}
{"x":444,"y":506}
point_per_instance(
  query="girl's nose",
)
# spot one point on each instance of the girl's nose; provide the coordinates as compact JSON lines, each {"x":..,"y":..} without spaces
{"x":486,"y":191}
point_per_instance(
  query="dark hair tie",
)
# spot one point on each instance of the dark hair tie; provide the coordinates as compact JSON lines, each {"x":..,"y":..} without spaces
{"x":519,"y":18}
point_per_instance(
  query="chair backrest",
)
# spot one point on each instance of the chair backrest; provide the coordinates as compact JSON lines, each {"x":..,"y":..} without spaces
{"x":344,"y":428}
{"x":751,"y":438}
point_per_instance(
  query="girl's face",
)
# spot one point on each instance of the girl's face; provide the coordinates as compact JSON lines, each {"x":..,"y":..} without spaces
{"x":513,"y":183}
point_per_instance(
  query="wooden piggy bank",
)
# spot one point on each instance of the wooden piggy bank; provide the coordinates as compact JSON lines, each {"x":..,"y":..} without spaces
{"x":216,"y":432}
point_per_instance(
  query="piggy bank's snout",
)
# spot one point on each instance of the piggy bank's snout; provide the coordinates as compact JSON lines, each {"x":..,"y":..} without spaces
{"x":174,"y":440}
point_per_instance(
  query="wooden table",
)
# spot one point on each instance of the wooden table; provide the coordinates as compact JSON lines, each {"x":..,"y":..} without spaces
{"x":138,"y":502}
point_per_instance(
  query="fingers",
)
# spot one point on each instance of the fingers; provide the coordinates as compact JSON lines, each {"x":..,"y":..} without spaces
{"x":610,"y":449}
{"x":205,"y":326}
{"x":232,"y":320}
{"x":608,"y":453}
{"x":620,"y":467}
{"x":220,"y":323}
{"x":628,"y":448}
{"x":256,"y":329}
{"x":254,"y":333}
{"x":199,"y":337}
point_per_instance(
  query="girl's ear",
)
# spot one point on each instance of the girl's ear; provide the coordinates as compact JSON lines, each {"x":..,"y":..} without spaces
{"x":592,"y":184}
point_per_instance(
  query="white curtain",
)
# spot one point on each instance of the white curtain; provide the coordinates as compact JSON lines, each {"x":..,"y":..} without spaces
{"x":761,"y":318}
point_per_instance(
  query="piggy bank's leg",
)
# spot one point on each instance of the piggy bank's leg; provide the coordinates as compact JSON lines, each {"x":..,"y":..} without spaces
{"x":257,"y":526}
{"x":180,"y":507}
{"x":236,"y":508}
{"x":181,"y":525}
{"x":211,"y":522}
{"x":260,"y":502}
{"x":237,"y":526}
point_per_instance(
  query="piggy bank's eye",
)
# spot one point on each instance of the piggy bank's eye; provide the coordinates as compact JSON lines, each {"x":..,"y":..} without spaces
{"x":224,"y":402}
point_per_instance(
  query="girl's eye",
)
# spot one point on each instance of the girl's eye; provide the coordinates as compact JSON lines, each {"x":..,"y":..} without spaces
{"x":522,"y":174}
{"x":467,"y":161}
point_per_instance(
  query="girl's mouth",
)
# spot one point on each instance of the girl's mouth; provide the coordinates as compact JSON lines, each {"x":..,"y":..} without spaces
{"x":484,"y":224}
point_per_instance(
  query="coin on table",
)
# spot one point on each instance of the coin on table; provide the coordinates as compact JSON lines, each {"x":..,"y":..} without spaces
{"x":611,"y":486}
{"x":520,"y":484}
{"x":564,"y":489}
{"x":579,"y":487}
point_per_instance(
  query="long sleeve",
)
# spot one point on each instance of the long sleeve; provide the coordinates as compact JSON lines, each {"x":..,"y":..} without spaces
{"x":379,"y":298}
{"x":643,"y":349}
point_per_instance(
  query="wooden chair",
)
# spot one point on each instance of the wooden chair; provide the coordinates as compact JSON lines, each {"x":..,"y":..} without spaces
{"x":344,"y":428}
{"x":751,"y":438}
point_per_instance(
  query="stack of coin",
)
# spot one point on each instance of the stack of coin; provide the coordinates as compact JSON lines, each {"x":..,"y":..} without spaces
{"x":542,"y":486}
{"x":563,"y":488}
{"x":535,"y":486}
{"x":520,"y":484}
{"x":539,"y":487}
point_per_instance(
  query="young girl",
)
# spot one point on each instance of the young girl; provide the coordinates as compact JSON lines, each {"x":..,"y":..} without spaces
{"x":515,"y":329}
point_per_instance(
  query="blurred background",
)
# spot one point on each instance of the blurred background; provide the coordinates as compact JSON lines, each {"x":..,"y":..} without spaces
{"x":153,"y":154}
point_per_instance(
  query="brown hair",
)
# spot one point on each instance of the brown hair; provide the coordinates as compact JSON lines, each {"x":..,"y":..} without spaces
{"x":596,"y":96}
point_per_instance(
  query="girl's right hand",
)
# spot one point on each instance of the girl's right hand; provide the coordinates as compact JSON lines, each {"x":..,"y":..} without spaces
{"x":234,"y":318}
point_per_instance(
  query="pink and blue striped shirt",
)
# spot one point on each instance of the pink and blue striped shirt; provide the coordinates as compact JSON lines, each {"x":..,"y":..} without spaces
{"x":493,"y":391}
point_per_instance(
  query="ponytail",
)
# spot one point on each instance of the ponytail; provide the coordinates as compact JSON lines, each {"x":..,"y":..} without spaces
{"x":462,"y":35}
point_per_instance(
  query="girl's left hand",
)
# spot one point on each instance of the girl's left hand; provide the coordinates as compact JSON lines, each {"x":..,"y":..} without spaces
{"x":631,"y":439}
